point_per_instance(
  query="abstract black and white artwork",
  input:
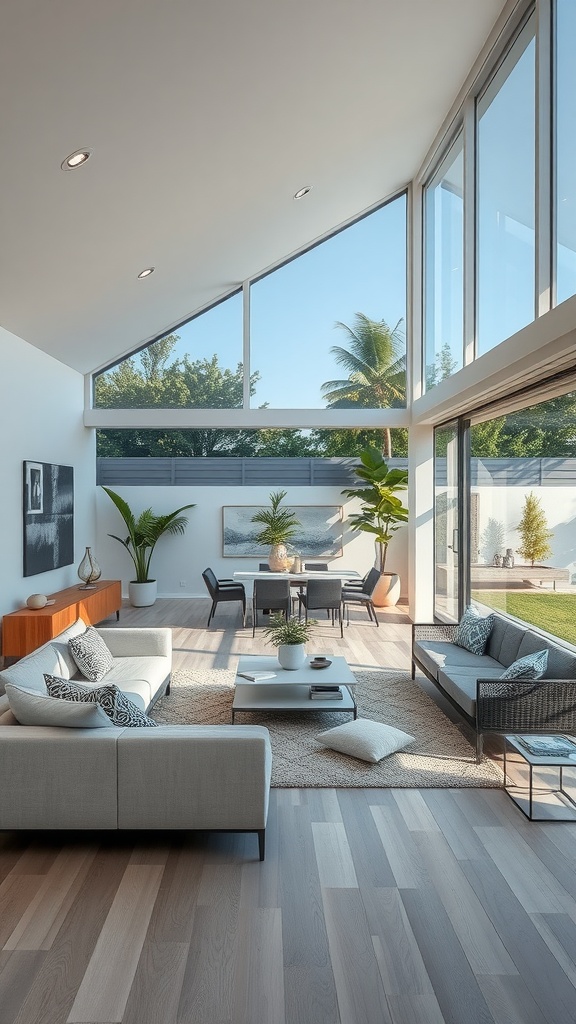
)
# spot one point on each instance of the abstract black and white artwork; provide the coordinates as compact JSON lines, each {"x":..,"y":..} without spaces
{"x":48,"y":517}
{"x":319,"y":533}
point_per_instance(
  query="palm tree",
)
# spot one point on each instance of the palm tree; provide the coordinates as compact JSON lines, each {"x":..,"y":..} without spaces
{"x":376,"y":366}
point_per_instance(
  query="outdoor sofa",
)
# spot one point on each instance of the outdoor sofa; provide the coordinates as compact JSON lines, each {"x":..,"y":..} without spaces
{"x":472,"y":684}
{"x":213,"y":778}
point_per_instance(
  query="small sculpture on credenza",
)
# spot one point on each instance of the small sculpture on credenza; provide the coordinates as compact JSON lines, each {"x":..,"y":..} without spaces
{"x":497,"y":560}
{"x":89,"y":571}
{"x":508,"y":560}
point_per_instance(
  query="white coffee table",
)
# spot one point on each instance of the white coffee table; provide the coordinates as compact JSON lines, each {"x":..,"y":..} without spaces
{"x":289,"y":691}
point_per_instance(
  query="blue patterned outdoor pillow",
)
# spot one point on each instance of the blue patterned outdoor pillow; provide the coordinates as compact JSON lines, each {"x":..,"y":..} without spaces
{"x":531,"y":666}
{"x":91,"y":654}
{"x":120,"y":710}
{"x":473,"y":631}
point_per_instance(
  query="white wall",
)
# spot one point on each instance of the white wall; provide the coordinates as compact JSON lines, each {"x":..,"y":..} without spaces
{"x":505,"y":505}
{"x":184,"y":558}
{"x":41,"y":410}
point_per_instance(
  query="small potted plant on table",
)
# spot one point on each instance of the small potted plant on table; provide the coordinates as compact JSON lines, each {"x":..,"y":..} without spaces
{"x":290,"y":636}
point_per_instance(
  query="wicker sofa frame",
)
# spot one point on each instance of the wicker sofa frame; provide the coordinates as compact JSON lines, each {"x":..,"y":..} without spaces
{"x":542,"y":705}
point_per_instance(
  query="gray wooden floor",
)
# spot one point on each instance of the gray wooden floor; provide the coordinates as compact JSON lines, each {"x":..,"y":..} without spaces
{"x":371,"y":906}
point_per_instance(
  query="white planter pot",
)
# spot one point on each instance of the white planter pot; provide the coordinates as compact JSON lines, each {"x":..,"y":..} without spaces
{"x":291,"y":656}
{"x":142,"y":594}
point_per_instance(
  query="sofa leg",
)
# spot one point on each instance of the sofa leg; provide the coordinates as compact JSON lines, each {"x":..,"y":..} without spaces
{"x":261,"y":842}
{"x":479,"y":747}
{"x":413,"y":670}
{"x":167,"y":690}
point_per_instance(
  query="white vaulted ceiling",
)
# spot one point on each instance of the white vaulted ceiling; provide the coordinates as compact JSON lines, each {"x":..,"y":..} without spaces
{"x":204,"y":117}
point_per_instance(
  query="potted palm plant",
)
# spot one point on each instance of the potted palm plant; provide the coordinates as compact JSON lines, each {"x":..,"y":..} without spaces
{"x":290,"y":636}
{"x":279,"y":525}
{"x":381,"y":514}
{"x":144,"y":533}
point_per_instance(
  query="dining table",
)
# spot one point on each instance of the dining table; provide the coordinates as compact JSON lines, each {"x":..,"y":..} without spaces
{"x":248,"y":576}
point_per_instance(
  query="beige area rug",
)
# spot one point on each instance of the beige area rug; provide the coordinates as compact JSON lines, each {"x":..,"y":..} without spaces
{"x":439,"y":757}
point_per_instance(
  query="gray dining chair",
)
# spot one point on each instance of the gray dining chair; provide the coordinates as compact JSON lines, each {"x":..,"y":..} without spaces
{"x":223,"y":590}
{"x":264,"y":567}
{"x":351,"y":595}
{"x":316,"y":566}
{"x":270,"y":595}
{"x":323,"y":594}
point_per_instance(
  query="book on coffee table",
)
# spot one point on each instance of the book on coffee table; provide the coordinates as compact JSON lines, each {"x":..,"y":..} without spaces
{"x":326,"y":693}
{"x":256,"y":677}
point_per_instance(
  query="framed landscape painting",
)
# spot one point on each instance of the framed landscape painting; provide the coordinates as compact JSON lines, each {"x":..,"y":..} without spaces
{"x":319,"y":534}
{"x":48,"y":517}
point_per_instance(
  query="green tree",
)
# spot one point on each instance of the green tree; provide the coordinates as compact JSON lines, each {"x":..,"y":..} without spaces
{"x":534,"y":532}
{"x":443,"y":367}
{"x":154,"y":379}
{"x":376,"y":365}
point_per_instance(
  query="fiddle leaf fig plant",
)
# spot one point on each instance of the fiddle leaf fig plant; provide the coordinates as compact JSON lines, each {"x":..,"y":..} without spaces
{"x":382,"y":512}
{"x":145,"y":531}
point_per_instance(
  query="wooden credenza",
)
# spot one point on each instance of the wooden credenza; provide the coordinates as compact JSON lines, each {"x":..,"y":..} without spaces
{"x":28,"y":628}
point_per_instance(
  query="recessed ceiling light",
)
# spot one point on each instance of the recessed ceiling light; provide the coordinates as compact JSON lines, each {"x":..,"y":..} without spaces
{"x":76,"y":159}
{"x":146,"y":273}
{"x":302,"y":192}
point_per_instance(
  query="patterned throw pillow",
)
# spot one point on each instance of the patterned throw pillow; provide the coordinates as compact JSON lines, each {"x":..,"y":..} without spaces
{"x":120,"y":710}
{"x":91,"y":654}
{"x":531,"y":666}
{"x":473,"y":631}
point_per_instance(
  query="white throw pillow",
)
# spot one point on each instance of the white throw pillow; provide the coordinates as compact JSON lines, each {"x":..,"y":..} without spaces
{"x":91,"y":654}
{"x":366,"y":740}
{"x":30,"y":707}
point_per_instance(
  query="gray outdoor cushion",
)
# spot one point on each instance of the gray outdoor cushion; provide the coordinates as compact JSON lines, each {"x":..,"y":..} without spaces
{"x":561,"y":662}
{"x":436,"y":654}
{"x":461,"y":685}
{"x":513,"y":636}
{"x":496,"y":637}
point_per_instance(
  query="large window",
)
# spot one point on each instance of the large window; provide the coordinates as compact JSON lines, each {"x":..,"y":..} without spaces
{"x":523,"y":484}
{"x":447,"y":496}
{"x":197,"y":366}
{"x":565,"y":149}
{"x":326,"y":330}
{"x":443,"y":269}
{"x":506,"y":198}
{"x":348,"y":292}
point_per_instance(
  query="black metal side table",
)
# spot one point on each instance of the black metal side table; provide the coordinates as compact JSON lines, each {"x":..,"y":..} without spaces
{"x":543,"y":787}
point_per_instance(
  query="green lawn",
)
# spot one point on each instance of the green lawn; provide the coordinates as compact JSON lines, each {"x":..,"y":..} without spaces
{"x":555,"y":613}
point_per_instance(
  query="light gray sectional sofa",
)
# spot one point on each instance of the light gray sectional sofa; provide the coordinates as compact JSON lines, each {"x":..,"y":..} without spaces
{"x":169,"y":777}
{"x":469,"y":681}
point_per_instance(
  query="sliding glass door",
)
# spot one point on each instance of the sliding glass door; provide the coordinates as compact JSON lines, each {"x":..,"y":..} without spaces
{"x":447,"y":461}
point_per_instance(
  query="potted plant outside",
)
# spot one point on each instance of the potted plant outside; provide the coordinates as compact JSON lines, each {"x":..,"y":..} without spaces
{"x":381,"y":514}
{"x":279,"y":525}
{"x":144,"y":533}
{"x":290,"y":636}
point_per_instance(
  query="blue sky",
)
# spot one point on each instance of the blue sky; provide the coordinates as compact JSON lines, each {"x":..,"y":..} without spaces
{"x":294,"y":309}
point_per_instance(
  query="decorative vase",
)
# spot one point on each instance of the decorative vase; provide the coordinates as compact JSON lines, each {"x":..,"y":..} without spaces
{"x":291,"y":656}
{"x":278,"y":559}
{"x":142,"y":595}
{"x":387,"y":591}
{"x":89,"y":570}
